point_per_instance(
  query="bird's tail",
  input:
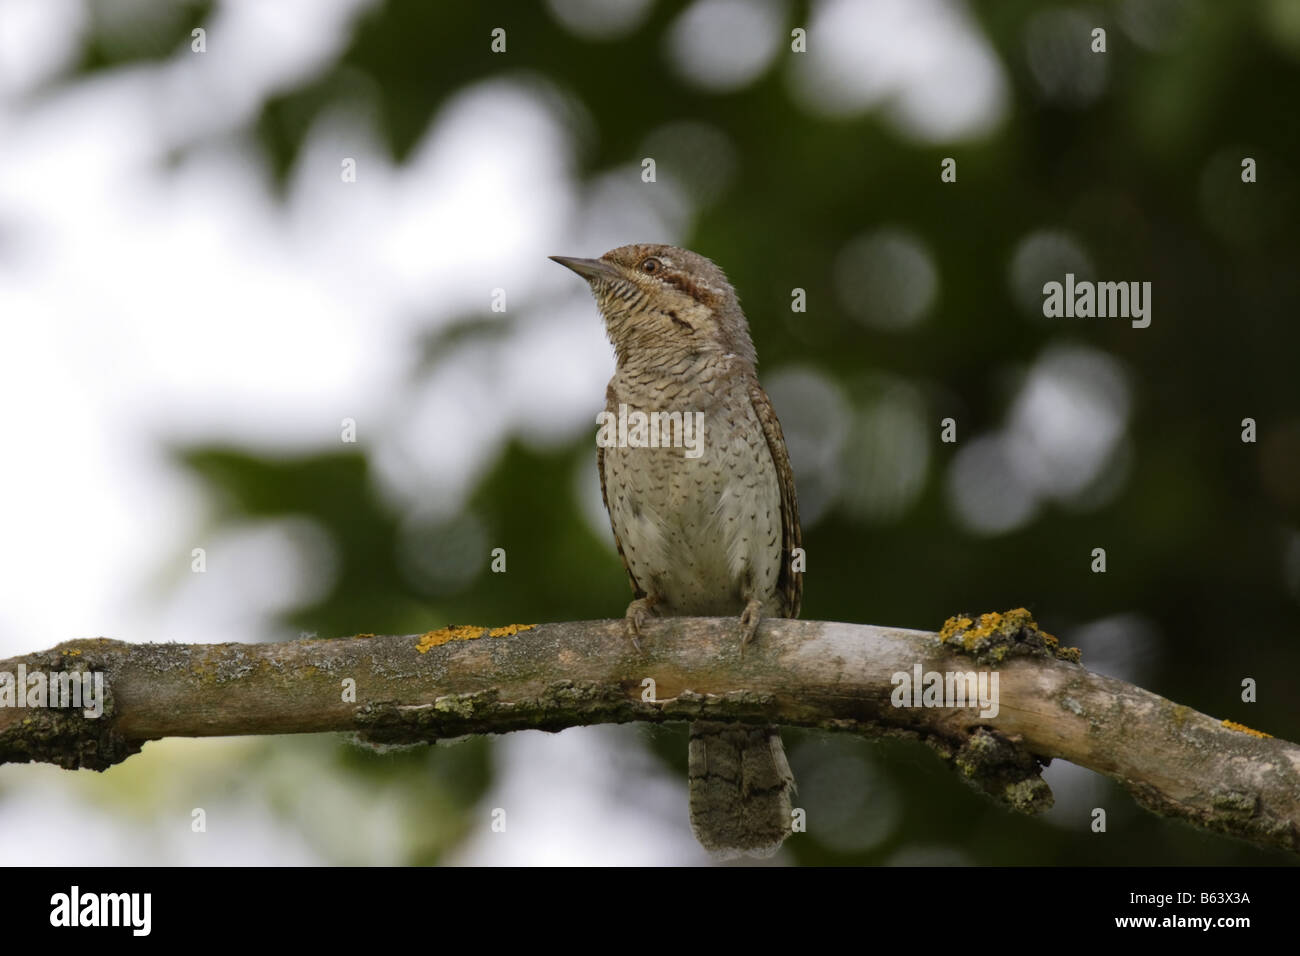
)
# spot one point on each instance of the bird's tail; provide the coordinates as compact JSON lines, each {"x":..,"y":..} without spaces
{"x":740,"y":788}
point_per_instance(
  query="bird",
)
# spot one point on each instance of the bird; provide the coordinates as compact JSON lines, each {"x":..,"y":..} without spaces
{"x":706,"y":534}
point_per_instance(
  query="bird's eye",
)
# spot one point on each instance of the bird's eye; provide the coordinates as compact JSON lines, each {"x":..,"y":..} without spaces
{"x":651,"y":265}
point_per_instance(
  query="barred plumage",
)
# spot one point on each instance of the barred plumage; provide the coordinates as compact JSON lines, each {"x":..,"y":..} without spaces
{"x":710,"y":535}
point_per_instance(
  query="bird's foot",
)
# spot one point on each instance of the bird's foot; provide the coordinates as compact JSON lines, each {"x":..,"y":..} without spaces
{"x":749,"y":621}
{"x":637,"y":613}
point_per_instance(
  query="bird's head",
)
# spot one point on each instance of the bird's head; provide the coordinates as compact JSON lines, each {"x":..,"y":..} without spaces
{"x":661,"y":303}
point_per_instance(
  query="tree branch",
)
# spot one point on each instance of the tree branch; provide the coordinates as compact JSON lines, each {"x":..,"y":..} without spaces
{"x":471,"y":680}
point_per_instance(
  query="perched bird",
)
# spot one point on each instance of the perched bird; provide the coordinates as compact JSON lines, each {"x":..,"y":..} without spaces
{"x":708,"y":531}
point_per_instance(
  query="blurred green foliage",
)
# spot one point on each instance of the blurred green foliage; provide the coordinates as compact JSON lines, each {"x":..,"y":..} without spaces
{"x":1194,"y":535}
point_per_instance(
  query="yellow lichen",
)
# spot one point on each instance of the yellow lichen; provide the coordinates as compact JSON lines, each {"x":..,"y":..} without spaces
{"x":953,"y":626}
{"x":509,"y":630}
{"x":1242,"y":728}
{"x":465,"y":632}
{"x":995,"y":632}
{"x":988,"y":626}
{"x":457,"y":632}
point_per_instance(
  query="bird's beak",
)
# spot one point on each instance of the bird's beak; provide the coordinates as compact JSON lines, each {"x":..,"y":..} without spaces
{"x":589,"y":269}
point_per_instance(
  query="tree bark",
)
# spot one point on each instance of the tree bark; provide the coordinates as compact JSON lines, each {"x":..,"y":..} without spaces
{"x":844,"y":677}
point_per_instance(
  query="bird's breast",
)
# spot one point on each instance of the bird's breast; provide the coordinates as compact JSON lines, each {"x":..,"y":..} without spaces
{"x":696,"y":508}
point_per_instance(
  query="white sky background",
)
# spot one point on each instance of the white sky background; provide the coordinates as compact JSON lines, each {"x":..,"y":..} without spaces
{"x":141,"y":306}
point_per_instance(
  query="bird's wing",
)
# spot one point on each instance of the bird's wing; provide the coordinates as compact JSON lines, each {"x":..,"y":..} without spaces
{"x":789,"y":583}
{"x":612,"y":406}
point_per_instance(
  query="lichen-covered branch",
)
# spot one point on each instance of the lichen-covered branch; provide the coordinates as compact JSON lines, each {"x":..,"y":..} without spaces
{"x":847,"y":677}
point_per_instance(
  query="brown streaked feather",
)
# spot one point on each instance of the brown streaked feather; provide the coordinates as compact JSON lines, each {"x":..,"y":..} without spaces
{"x":789,"y":584}
{"x":612,"y":406}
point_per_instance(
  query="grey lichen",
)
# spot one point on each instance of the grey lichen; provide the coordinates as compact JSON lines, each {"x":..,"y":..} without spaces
{"x":66,"y":736}
{"x":464,"y":706}
{"x":1004,"y":770}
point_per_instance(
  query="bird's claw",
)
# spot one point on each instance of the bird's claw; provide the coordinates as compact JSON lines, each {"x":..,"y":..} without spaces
{"x":749,"y":621}
{"x":635,"y":619}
